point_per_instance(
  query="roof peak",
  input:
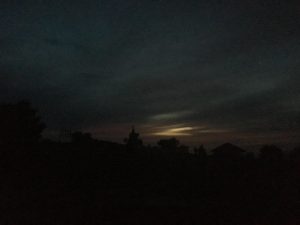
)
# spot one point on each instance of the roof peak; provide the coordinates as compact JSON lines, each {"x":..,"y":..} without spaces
{"x":229,"y":146}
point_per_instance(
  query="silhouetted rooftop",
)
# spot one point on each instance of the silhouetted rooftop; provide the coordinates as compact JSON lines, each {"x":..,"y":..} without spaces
{"x":228,"y":148}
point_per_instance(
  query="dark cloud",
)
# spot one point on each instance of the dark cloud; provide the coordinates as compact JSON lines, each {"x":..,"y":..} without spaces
{"x":102,"y":65}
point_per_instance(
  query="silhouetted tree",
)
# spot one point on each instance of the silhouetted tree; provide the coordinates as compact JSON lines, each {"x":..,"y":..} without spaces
{"x":82,"y":137}
{"x":295,"y":158}
{"x":19,"y":124}
{"x":200,"y":152}
{"x":295,"y":154}
{"x":270,"y":153}
{"x":168,"y":145}
{"x":133,"y":142}
{"x":183,"y":149}
{"x":250,"y":156}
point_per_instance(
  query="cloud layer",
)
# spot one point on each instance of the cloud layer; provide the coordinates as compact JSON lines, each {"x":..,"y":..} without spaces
{"x":225,"y":69}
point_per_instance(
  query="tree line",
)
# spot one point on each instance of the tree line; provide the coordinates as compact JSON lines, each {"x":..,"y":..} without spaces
{"x":90,"y":181}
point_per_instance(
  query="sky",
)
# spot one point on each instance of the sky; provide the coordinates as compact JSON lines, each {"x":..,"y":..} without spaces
{"x":205,"y":71}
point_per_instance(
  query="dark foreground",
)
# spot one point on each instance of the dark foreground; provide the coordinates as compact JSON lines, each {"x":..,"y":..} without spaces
{"x":55,"y":184}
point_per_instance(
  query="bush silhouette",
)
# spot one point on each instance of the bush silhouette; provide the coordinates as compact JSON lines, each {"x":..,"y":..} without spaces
{"x":19,"y":124}
{"x":168,"y":145}
{"x":133,"y":142}
{"x":271,"y":153}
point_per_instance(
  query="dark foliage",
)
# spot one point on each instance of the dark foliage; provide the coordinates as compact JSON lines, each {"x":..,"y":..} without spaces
{"x":271,"y":153}
{"x":133,"y":142}
{"x":92,"y":182}
{"x":19,"y":124}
